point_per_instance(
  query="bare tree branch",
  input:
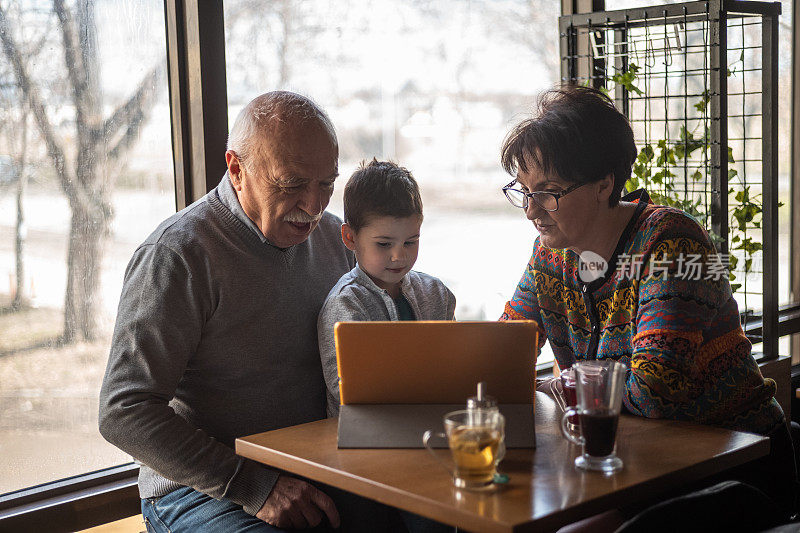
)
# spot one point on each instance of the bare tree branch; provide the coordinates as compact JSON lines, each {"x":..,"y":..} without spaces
{"x":134,"y":105}
{"x":136,"y":113}
{"x":134,"y":125}
{"x":76,"y":71}
{"x":54,"y":150}
{"x":87,"y":39}
{"x":80,"y":51}
{"x":37,"y":47}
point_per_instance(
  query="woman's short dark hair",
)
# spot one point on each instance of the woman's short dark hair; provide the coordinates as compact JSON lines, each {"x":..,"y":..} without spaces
{"x":577,"y":135}
{"x":380,"y":188}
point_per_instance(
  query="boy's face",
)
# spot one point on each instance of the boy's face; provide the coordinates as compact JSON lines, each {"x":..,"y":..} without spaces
{"x":386,"y":248}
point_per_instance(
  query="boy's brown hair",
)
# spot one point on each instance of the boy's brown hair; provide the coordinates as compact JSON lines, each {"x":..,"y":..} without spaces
{"x":380,"y":188}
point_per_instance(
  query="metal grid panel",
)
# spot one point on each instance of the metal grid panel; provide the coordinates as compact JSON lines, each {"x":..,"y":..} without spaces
{"x":698,"y":82}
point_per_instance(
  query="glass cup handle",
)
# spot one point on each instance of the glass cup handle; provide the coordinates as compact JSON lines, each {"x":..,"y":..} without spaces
{"x":426,"y":437}
{"x":501,"y":451}
{"x":558,"y":395}
{"x":571,"y":411}
{"x":501,"y":447}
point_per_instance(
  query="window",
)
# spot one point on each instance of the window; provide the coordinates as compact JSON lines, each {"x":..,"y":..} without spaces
{"x":433,"y":86}
{"x":784,"y":150}
{"x":67,"y":230}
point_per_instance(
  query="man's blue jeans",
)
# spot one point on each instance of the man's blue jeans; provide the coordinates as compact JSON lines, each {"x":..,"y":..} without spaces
{"x":185,"y":509}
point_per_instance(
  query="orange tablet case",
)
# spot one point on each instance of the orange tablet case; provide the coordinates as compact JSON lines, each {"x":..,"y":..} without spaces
{"x":398,"y":378}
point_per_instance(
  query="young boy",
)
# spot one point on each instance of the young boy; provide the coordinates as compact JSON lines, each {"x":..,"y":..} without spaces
{"x":383,"y":215}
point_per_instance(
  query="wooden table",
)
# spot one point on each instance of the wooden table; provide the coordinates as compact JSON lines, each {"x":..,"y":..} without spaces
{"x":545,"y":490}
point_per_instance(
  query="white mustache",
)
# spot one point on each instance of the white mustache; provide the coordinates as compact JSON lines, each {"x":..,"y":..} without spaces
{"x":301,"y":217}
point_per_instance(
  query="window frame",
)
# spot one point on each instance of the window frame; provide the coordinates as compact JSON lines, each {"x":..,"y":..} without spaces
{"x":73,"y":503}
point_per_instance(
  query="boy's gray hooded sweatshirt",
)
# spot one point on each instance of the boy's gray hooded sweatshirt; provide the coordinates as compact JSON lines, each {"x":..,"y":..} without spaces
{"x":355,"y":297}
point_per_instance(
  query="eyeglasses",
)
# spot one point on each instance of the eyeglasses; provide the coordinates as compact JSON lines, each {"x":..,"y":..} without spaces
{"x":546,"y":200}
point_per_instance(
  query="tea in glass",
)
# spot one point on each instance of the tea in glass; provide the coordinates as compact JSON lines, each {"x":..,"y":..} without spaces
{"x":474,"y":438}
{"x":474,"y":451}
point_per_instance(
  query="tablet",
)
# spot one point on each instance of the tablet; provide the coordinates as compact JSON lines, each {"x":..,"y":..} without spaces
{"x":398,"y":379}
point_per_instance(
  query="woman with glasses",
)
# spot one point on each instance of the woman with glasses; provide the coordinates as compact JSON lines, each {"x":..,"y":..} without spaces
{"x":616,"y":277}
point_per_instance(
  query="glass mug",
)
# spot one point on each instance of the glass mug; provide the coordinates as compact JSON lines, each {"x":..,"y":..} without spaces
{"x":599,"y":386}
{"x":474,"y":438}
{"x":564,"y":392}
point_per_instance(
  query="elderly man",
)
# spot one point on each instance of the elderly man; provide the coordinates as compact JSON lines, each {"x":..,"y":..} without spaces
{"x":216,"y":330}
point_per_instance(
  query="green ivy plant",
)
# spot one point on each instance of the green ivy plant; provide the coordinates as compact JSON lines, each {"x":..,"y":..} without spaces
{"x":654,"y":166}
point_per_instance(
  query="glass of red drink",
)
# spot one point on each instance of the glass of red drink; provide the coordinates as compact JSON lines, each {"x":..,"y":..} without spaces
{"x":565,"y":394}
{"x":599,"y":387}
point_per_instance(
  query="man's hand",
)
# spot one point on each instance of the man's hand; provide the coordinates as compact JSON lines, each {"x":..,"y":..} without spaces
{"x":296,"y":504}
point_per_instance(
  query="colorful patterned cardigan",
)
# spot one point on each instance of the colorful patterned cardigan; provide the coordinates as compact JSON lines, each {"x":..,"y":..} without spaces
{"x":681,"y":337}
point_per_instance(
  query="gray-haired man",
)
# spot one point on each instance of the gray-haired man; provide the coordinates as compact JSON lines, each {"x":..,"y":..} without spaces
{"x":216,"y":330}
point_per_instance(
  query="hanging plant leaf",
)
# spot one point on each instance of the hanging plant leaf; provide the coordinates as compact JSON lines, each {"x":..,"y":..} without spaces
{"x":645,"y":154}
{"x":626,"y":79}
{"x":705,"y":98}
{"x":665,"y":154}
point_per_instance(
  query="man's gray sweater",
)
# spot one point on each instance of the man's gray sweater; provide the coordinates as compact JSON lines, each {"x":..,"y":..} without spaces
{"x":216,"y":339}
